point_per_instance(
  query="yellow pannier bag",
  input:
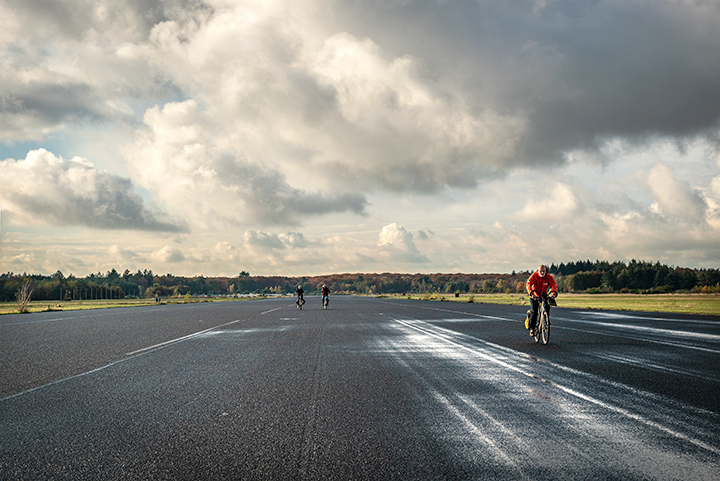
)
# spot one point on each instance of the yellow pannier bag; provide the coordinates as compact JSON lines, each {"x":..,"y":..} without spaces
{"x":527,"y":320}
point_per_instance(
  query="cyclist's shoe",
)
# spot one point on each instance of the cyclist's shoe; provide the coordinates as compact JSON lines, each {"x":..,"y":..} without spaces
{"x":532,"y":332}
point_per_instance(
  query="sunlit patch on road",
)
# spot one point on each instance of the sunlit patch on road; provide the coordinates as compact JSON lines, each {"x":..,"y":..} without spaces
{"x":492,"y":402}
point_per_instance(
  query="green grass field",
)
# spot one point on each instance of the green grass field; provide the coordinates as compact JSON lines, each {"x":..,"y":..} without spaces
{"x":677,"y":303}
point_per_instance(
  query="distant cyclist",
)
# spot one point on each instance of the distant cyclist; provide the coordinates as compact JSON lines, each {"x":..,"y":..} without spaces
{"x":299,"y":292}
{"x":325,"y":294}
{"x":538,"y":284}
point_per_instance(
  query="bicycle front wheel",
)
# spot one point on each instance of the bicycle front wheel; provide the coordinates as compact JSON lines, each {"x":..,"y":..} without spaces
{"x":544,"y":329}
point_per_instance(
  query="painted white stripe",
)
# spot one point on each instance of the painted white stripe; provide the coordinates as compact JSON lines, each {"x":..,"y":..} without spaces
{"x":129,"y":355}
{"x":626,"y":315}
{"x":623,"y":315}
{"x":88,"y":316}
{"x":432,"y":331}
{"x":652,"y":330}
{"x":649,"y":365}
{"x":76,"y":376}
{"x":616,"y":333}
{"x":636,"y":338}
{"x":271,"y":310}
{"x":477,"y":432}
{"x":172,"y":341}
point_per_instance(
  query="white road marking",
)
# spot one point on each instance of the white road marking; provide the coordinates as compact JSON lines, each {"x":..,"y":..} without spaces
{"x":620,"y":327}
{"x":130,"y":355}
{"x":82,"y":374}
{"x":649,"y":365}
{"x":172,"y":341}
{"x":637,"y":338}
{"x":444,"y":336}
{"x":651,"y":330}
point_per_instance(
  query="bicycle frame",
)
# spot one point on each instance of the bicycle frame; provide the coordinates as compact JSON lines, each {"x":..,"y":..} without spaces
{"x":542,"y":328}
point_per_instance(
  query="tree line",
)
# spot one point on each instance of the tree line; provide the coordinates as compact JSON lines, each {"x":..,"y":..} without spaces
{"x":582,"y":276}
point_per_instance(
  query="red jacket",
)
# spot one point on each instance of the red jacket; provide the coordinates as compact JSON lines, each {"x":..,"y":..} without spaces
{"x":537,"y":285}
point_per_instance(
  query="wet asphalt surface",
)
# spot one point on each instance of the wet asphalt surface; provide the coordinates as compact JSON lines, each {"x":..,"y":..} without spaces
{"x":369,"y":389}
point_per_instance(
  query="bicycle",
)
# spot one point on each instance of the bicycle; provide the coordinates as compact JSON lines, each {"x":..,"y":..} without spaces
{"x":325,"y":301}
{"x":300,"y":301}
{"x":542,"y":329}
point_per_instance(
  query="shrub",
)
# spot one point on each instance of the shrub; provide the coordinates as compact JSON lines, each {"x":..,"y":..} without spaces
{"x":24,"y":295}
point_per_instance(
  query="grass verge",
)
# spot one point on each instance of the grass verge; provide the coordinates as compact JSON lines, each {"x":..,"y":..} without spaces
{"x":49,"y":306}
{"x":708,"y":304}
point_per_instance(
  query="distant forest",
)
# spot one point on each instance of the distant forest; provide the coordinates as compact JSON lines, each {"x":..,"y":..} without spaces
{"x":583,"y":276}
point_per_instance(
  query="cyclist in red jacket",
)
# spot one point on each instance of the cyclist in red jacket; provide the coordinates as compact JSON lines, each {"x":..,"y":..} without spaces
{"x":539,"y":283}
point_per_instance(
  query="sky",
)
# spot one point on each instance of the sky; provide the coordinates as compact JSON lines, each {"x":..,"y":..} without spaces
{"x":209,"y":137}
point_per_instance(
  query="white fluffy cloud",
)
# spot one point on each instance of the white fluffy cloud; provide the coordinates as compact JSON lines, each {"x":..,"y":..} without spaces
{"x":180,"y":160}
{"x":73,"y":192}
{"x":549,"y":203}
{"x":168,"y":255}
{"x":121,"y":254}
{"x":398,"y":243}
{"x":674,"y":197}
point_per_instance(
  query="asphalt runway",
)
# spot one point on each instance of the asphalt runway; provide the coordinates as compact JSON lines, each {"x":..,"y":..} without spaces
{"x":369,"y":389}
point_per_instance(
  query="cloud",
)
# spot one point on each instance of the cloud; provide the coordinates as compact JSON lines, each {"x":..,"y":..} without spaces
{"x":284,"y":133}
{"x":414,"y":99}
{"x":579,"y":72}
{"x":425,"y":234}
{"x":73,"y":192}
{"x":168,"y":254}
{"x":120,"y":253}
{"x":400,"y":129}
{"x":210,"y":181}
{"x":398,"y":243}
{"x":294,"y":240}
{"x":263,"y":239}
{"x":674,"y":197}
{"x":86,"y":62}
{"x":715,"y":187}
{"x":549,"y":203}
{"x":33,"y":110}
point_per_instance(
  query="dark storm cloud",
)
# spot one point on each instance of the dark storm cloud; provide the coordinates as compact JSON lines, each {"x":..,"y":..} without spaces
{"x":581,"y":72}
{"x":628,"y":71}
{"x":50,"y":104}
